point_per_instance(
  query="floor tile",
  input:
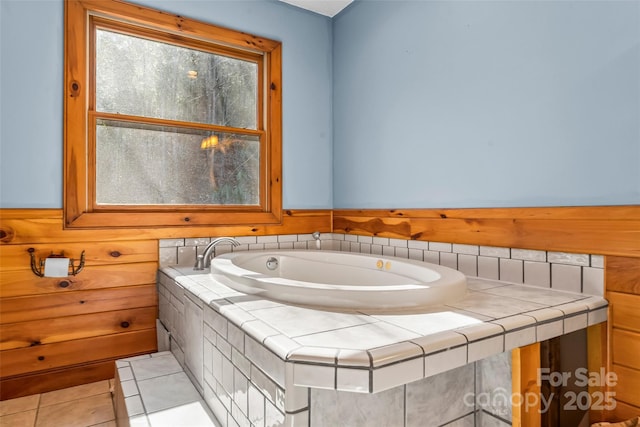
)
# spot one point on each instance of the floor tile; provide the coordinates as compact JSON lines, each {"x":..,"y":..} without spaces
{"x":85,"y":412}
{"x":74,"y":393}
{"x":19,"y":404}
{"x":19,"y":419}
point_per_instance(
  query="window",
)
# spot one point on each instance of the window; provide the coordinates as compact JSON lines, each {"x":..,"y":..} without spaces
{"x":168,"y":121}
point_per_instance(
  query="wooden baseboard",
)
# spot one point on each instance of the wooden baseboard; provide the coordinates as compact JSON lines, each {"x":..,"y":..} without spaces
{"x":43,"y":382}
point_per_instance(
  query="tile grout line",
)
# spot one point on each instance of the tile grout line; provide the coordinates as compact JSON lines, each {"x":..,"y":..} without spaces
{"x":35,"y":419}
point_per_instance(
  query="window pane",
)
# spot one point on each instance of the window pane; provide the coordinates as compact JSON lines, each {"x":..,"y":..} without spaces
{"x":141,"y":77}
{"x":139,"y":164}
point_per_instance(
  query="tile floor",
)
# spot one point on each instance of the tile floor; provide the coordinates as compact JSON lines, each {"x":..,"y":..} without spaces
{"x":87,"y":405}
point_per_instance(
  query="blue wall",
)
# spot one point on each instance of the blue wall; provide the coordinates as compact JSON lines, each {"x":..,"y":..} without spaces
{"x":31,"y":71}
{"x":31,"y":78}
{"x":486,"y":103}
{"x":420,"y":104}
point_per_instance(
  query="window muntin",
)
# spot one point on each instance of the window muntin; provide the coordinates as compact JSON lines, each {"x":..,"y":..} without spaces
{"x":114,"y":149}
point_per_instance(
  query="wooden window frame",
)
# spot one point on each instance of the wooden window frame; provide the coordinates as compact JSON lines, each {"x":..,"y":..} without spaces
{"x":80,"y":210}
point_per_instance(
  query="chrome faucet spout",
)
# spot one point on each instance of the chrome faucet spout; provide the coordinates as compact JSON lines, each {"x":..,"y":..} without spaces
{"x":204,"y":260}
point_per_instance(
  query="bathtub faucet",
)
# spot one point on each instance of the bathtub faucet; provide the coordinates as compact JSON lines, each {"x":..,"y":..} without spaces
{"x":204,"y":261}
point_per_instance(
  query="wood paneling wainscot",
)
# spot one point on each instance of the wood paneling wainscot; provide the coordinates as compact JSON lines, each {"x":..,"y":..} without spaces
{"x":49,"y":326}
{"x":61,"y":332}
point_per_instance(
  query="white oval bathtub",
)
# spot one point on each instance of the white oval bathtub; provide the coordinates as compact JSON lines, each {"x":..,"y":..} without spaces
{"x":341,"y":280}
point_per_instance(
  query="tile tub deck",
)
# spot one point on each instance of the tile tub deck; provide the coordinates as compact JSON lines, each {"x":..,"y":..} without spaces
{"x":301,"y":349}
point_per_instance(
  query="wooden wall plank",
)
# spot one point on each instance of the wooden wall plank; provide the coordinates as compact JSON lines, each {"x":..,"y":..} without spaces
{"x":57,"y":355}
{"x":613,"y":213}
{"x":67,"y":328}
{"x":16,"y":257}
{"x":625,"y":348}
{"x":24,"y":282}
{"x":49,"y":306}
{"x":624,"y":312}
{"x":7,"y":214}
{"x":623,"y":274}
{"x":628,"y":385}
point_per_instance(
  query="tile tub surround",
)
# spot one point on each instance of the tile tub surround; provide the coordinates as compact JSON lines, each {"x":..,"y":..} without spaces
{"x":571,"y":272}
{"x":261,"y":362}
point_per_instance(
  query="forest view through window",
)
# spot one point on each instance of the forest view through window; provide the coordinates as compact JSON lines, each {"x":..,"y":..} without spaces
{"x":158,"y":155}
